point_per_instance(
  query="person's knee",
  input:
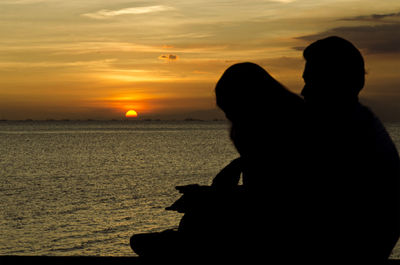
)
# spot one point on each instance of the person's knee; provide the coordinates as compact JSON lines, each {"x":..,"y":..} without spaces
{"x":132,"y":241}
{"x":161,"y":243}
{"x":136,"y":243}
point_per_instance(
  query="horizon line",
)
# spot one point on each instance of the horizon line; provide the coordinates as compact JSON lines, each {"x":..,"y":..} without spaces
{"x":124,"y":120}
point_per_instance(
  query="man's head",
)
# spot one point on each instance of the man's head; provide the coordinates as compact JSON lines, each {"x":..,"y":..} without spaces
{"x":334,"y":71}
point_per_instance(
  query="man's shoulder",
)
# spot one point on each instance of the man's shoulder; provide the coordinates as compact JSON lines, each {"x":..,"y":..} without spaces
{"x":382,"y":139}
{"x":365,"y":115}
{"x":364,"y":112}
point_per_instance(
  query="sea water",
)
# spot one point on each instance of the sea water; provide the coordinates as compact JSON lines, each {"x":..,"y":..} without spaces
{"x":84,"y":187}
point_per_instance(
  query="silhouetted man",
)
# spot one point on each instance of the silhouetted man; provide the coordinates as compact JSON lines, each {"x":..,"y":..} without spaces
{"x":352,"y":161}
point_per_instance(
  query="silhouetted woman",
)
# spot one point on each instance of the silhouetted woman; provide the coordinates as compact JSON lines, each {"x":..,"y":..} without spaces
{"x":267,"y":130}
{"x":258,"y":220}
{"x":266,"y":122}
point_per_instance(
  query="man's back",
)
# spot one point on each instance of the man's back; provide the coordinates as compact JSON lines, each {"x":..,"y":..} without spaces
{"x":356,"y":169}
{"x":352,"y":161}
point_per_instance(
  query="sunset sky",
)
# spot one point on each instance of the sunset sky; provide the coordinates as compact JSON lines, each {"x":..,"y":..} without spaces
{"x":96,"y":59}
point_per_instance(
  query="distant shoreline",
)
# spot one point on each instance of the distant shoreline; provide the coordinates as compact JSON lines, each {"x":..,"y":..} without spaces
{"x":119,"y":120}
{"x":138,"y":120}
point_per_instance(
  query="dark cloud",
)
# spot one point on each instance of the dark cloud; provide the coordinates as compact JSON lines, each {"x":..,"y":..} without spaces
{"x":373,"y":17}
{"x":372,"y":39}
{"x":383,"y":37}
{"x":170,"y":57}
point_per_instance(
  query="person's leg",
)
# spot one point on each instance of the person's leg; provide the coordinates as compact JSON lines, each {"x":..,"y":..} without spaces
{"x":159,"y":245}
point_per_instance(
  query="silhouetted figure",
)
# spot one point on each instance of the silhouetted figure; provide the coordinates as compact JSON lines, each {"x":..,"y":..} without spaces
{"x":266,"y":121}
{"x":351,"y":158}
{"x":267,"y":130}
{"x":261,"y":219}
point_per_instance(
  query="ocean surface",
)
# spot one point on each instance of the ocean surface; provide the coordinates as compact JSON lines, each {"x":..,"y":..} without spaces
{"x":84,"y":187}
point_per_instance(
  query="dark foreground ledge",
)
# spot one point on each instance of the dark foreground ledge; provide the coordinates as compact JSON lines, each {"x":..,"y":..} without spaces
{"x":56,"y":260}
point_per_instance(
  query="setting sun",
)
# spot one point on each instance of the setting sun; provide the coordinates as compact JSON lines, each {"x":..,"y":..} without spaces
{"x":131,"y":114}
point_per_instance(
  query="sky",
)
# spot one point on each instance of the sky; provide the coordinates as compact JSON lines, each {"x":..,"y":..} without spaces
{"x":97,"y":59}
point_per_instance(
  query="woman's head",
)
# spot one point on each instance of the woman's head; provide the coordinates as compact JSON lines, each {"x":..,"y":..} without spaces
{"x":246,"y":90}
{"x":250,"y":98}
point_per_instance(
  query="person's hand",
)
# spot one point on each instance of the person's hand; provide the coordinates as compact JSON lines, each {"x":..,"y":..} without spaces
{"x":194,"y":197}
{"x":188,"y":188}
{"x":229,"y":176}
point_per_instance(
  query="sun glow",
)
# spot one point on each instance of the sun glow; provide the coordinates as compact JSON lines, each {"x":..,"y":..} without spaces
{"x":131,"y":114}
